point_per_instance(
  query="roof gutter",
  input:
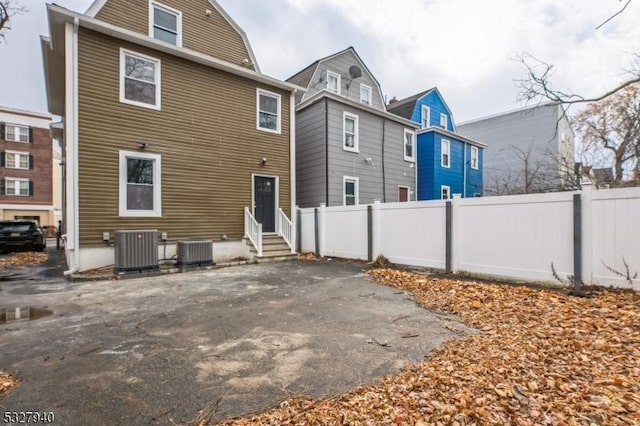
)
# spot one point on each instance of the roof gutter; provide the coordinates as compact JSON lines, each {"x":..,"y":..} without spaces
{"x":190,"y":55}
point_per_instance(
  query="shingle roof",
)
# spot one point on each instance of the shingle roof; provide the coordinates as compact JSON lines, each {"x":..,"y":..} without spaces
{"x":404,"y":107}
{"x":303,"y":77}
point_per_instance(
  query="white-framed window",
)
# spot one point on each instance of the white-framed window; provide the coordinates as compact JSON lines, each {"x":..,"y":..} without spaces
{"x":333,"y":82}
{"x":445,"y":192}
{"x":16,"y":160}
{"x":17,"y":186}
{"x":445,"y":153}
{"x":140,"y":184}
{"x":269,"y":112}
{"x":443,"y":121}
{"x":16,"y":133}
{"x":139,"y":79}
{"x":350,"y":190}
{"x":474,"y":157}
{"x":365,"y":94}
{"x":409,"y":145}
{"x":425,"y":117}
{"x":165,"y":23}
{"x":350,"y":132}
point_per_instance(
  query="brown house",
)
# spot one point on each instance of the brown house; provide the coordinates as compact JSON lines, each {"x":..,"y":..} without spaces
{"x":168,"y":125}
{"x":26,"y":162}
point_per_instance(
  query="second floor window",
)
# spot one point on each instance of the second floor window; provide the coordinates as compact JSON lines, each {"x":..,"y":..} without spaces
{"x":20,"y":187}
{"x":445,"y":149}
{"x":409,"y":145}
{"x":350,"y":130}
{"x":15,"y":133}
{"x":333,"y":82}
{"x":474,"y":158}
{"x":165,"y":24}
{"x":139,"y":80}
{"x":268,"y":111}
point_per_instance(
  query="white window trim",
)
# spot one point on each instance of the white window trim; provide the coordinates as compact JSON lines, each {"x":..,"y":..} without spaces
{"x":338,"y":77}
{"x":125,"y":52}
{"x":413,"y":148}
{"x":356,"y":138}
{"x":356,"y":189}
{"x":474,"y":149}
{"x":259,"y":92}
{"x":422,"y":116}
{"x":16,"y":180}
{"x":178,"y":14}
{"x":408,"y":192}
{"x":444,"y":142}
{"x":157,"y":185}
{"x":8,"y":152}
{"x":444,"y":122}
{"x":16,"y":127}
{"x":448,"y":188}
{"x":369,"y":91}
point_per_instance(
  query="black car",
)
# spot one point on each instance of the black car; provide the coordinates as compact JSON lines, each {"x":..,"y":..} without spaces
{"x":21,"y":235}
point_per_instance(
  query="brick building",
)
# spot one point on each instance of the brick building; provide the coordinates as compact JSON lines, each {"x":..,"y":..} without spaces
{"x":26,"y":166}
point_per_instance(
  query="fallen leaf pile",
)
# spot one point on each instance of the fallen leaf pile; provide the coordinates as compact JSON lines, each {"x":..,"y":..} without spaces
{"x":308,"y":256}
{"x":23,"y":259}
{"x":541,"y":358}
{"x":7,"y":381}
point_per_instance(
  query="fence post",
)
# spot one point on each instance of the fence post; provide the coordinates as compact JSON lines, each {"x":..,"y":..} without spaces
{"x":316,"y":230}
{"x":322,"y":220}
{"x":375,"y":230}
{"x":577,"y":242}
{"x":456,"y":234}
{"x":587,"y":233}
{"x":298,"y":227}
{"x":447,"y":237}
{"x":369,"y":232}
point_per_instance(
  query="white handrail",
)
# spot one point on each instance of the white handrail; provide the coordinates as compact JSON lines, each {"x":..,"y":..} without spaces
{"x":285,"y":228}
{"x":253,"y":230}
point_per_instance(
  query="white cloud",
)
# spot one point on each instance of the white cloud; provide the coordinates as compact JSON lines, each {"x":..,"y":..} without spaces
{"x":466,"y":48}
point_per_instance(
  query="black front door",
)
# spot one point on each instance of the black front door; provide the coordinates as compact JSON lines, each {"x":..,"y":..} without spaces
{"x":264,"y":190}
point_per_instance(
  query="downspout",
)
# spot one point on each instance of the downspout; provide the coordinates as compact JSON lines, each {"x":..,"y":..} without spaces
{"x":326,"y":151}
{"x":464,"y":170}
{"x":384,"y":180}
{"x":292,"y":167}
{"x":72,"y":46}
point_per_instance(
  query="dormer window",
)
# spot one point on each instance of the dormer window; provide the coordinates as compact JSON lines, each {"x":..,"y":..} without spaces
{"x":333,"y":82}
{"x":425,"y":119}
{"x":165,"y":23}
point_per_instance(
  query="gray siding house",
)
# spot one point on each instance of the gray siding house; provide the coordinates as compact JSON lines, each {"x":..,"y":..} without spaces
{"x":528,"y":150}
{"x":349,"y":149}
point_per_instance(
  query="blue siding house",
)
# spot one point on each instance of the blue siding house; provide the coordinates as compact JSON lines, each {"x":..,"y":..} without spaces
{"x":447,"y":162}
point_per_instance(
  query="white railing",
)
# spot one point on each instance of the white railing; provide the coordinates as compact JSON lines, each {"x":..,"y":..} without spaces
{"x":285,"y":228}
{"x":253,"y":230}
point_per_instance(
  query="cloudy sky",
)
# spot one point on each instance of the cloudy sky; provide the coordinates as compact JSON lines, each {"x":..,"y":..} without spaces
{"x":467,"y":48}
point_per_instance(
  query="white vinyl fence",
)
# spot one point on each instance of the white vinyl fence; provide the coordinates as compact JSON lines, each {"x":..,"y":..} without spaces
{"x":512,"y":236}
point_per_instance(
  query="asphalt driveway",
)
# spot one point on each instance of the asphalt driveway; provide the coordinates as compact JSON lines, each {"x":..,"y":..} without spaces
{"x":158,"y":350}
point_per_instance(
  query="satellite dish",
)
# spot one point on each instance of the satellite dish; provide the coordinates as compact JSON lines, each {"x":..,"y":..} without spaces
{"x":355,"y":72}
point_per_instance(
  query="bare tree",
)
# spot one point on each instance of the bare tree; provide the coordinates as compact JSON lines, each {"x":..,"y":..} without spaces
{"x":8,"y":9}
{"x":612,"y":125}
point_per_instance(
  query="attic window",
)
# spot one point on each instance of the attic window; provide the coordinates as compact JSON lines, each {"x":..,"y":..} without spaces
{"x":443,"y":121}
{"x":165,"y":23}
{"x":333,"y":82}
{"x":365,"y":94}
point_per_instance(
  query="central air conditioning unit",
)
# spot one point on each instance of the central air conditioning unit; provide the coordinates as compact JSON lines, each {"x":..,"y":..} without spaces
{"x":195,"y":253}
{"x":136,"y":251}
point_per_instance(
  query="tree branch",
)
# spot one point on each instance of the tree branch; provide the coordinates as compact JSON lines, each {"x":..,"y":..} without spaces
{"x":614,"y":15}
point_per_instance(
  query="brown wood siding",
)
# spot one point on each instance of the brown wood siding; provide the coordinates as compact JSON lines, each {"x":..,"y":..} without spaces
{"x":212,"y":35}
{"x":206,"y":134}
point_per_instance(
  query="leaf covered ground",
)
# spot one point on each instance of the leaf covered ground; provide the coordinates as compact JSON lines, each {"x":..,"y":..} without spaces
{"x":542,"y":358}
{"x":22,"y":259}
{"x":7,"y":382}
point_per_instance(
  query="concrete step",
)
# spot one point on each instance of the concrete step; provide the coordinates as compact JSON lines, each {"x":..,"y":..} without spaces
{"x":276,"y":258}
